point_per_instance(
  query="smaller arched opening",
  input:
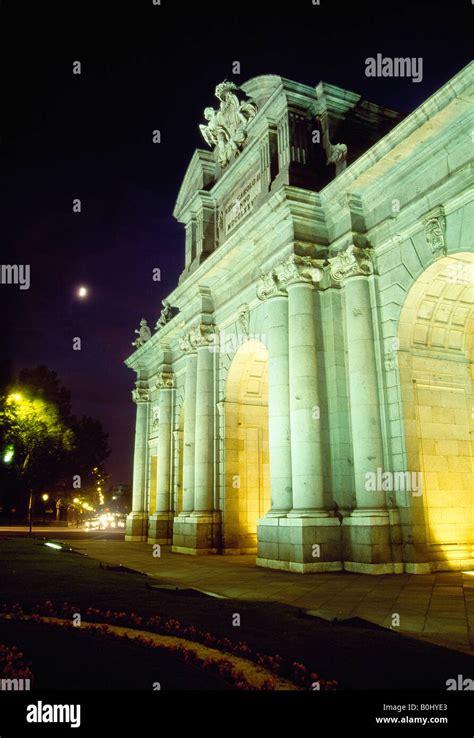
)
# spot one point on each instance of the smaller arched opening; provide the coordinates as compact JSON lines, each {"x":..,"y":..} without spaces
{"x":247,"y":486}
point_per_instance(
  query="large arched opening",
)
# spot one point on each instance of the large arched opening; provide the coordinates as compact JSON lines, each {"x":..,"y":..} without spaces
{"x":436,"y":375}
{"x":247,"y":485}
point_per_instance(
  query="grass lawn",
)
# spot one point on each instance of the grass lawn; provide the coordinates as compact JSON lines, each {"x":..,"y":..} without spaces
{"x":357,"y":657}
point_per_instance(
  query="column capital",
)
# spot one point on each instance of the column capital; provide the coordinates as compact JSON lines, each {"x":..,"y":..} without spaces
{"x":140,"y":394}
{"x":291,"y":270}
{"x":268,"y":286}
{"x":186,"y":345}
{"x":165,"y":380}
{"x":297,"y":269}
{"x":203,"y":334}
{"x":351,"y":262}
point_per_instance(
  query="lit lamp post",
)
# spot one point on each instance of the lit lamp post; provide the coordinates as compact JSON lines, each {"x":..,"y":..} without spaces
{"x":45,"y":498}
{"x":8,"y":454}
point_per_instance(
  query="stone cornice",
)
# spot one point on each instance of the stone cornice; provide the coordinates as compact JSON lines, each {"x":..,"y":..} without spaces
{"x":437,"y":102}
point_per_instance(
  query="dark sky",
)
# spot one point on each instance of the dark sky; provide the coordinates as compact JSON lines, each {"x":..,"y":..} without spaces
{"x":147,"y":67}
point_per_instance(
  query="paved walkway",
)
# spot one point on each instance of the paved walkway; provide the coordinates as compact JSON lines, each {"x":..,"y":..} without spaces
{"x":436,"y":607}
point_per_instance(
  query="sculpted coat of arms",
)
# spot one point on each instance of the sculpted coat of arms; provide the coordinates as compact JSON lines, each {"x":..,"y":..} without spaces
{"x":226,"y":130}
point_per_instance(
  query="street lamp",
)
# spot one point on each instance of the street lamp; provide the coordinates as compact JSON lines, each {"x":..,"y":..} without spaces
{"x":45,"y":497}
{"x":8,"y":454}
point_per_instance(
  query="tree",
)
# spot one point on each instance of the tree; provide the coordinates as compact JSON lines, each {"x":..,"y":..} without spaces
{"x":43,"y":384}
{"x":52,"y":448}
{"x":91,"y":449}
{"x":35,"y":438}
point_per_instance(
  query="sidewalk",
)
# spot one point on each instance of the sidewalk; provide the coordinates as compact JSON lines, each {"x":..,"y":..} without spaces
{"x":436,"y":607}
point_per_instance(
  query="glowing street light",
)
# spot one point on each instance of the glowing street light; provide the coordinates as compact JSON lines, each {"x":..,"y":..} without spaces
{"x":8,"y":454}
{"x":45,"y":497}
{"x":82,"y":292}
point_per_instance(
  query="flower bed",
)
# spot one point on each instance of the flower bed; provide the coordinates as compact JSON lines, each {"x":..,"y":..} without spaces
{"x":292,"y":671}
{"x":12,"y":665}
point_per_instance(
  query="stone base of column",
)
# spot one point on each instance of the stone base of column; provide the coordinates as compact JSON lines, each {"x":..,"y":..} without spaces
{"x":160,"y":528}
{"x":136,"y":527}
{"x":418,"y":568}
{"x":371,"y":543}
{"x":196,"y":534}
{"x":300,"y":544}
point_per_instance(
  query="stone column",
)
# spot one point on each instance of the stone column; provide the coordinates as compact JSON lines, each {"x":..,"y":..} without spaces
{"x":137,"y":520}
{"x":189,"y":431}
{"x":298,"y":274}
{"x":366,"y":532}
{"x":194,"y":529}
{"x":363,"y":392}
{"x":159,"y":530}
{"x":204,"y":459}
{"x":306,"y":451}
{"x":307,"y":538}
{"x":279,"y":433}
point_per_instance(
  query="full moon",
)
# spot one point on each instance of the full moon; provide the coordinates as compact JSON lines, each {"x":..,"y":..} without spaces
{"x":82,"y":292}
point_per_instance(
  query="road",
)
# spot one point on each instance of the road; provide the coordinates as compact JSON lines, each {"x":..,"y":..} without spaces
{"x":60,"y":533}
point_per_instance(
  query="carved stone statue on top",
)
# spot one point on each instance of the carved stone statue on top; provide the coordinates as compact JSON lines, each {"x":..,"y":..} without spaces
{"x":165,"y":315}
{"x":144,"y":333}
{"x":226,"y":130}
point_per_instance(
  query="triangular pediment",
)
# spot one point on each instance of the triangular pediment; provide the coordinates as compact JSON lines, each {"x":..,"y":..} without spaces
{"x":199,"y":175}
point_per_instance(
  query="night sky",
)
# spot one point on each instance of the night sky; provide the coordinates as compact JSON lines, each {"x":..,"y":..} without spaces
{"x":147,"y":67}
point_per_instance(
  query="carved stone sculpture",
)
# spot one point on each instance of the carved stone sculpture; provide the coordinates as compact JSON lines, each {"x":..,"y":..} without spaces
{"x":155,"y":418}
{"x":226,"y":129}
{"x":435,"y":227}
{"x":144,"y":334}
{"x":244,"y":319}
{"x":165,"y":315}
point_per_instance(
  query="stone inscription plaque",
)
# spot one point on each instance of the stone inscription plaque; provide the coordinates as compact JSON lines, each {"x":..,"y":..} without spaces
{"x":239,"y":204}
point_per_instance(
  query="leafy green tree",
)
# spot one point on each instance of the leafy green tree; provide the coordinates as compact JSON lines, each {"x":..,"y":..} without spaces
{"x":35,"y":438}
{"x":52,"y":447}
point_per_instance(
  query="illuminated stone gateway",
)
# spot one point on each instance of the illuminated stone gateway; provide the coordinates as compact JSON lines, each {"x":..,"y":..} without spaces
{"x":307,"y":395}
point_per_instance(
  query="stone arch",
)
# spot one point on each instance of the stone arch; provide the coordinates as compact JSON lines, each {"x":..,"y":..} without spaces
{"x":435,"y":364}
{"x":246,"y":475}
